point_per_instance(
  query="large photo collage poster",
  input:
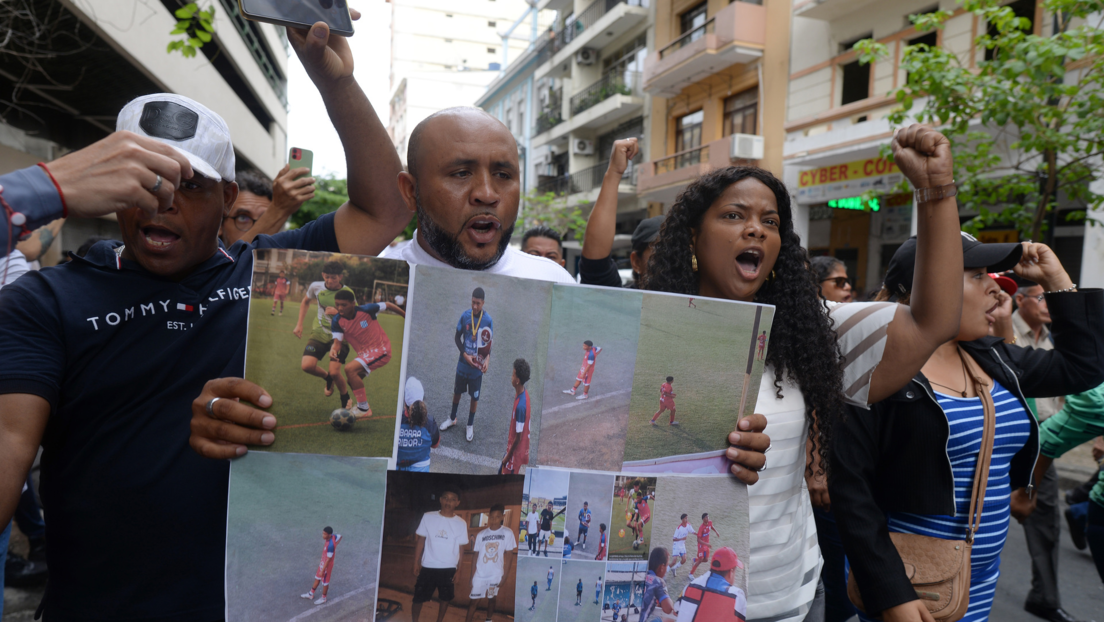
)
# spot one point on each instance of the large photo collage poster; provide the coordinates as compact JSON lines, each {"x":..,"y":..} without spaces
{"x":458,"y":446}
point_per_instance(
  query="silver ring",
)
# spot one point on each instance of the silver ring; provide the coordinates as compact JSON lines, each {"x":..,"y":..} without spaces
{"x":211,"y":405}
{"x":157,"y":187}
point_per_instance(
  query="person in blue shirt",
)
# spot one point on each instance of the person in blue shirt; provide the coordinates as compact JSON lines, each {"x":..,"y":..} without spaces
{"x":128,"y":336}
{"x":616,"y":609}
{"x":579,"y":592}
{"x":655,"y":589}
{"x":598,"y":591}
{"x":567,"y":547}
{"x":533,"y":591}
{"x":584,"y":524}
{"x":551,"y":575}
{"x":473,"y":339}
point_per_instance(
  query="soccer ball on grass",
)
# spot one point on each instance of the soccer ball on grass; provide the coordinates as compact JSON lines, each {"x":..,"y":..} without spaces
{"x":342,"y":420}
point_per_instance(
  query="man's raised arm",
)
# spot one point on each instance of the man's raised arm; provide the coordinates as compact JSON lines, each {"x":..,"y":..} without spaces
{"x":375,"y":213}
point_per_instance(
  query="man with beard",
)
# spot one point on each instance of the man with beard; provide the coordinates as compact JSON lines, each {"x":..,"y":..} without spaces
{"x":464,"y":182}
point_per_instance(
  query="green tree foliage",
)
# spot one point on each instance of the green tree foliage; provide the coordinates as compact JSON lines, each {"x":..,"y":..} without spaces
{"x":553,"y":210}
{"x":330,"y":193}
{"x":1025,"y":125}
{"x":197,"y":25}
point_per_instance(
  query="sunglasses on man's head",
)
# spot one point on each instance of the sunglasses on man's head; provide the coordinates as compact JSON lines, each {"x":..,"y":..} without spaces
{"x":840,"y":281}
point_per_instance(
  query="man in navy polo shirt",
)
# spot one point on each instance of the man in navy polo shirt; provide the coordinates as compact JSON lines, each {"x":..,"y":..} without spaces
{"x":104,"y":355}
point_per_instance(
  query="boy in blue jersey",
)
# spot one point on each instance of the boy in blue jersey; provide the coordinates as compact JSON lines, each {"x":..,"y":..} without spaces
{"x":567,"y":547}
{"x":473,"y":339}
{"x":533,"y":592}
{"x":579,"y":592}
{"x":584,"y":525}
{"x":655,"y":589}
{"x":616,"y":610}
{"x":517,"y":444}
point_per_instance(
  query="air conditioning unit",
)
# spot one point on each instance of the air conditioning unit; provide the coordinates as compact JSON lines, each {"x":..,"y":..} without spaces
{"x":586,"y":56}
{"x":582,"y":147}
{"x":543,"y":160}
{"x":747,"y":147}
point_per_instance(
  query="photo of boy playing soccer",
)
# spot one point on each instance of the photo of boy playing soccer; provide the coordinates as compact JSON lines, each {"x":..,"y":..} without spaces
{"x":473,"y":338}
{"x":325,"y":567}
{"x":358,"y":328}
{"x":666,"y":401}
{"x":279,"y":294}
{"x":321,"y":336}
{"x":586,"y":371}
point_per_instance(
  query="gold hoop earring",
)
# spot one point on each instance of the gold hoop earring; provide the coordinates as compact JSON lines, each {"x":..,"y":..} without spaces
{"x":772,"y":275}
{"x":693,"y":261}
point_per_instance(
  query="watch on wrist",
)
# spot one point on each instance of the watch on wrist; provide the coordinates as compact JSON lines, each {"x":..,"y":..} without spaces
{"x":926,"y":195}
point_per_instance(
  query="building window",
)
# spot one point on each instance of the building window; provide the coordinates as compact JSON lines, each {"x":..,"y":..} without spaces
{"x":689,"y":131}
{"x":490,"y":50}
{"x":847,"y":45}
{"x":694,"y":18}
{"x":856,"y":82}
{"x":633,"y":128}
{"x":741,"y":112}
{"x":630,"y":57}
{"x":492,"y":24}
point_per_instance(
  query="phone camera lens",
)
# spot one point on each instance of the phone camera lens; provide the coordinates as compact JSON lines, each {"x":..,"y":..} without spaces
{"x":326,"y":4}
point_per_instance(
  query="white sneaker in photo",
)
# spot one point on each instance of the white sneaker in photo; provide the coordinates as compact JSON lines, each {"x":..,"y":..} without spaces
{"x":320,"y":601}
{"x":569,"y":391}
{"x":471,"y":433}
{"x":448,"y":423}
{"x":582,"y":397}
{"x":307,"y":596}
{"x":361,"y":413}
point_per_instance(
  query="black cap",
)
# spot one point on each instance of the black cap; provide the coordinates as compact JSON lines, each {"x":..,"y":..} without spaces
{"x":994,"y":257}
{"x":647,"y":230}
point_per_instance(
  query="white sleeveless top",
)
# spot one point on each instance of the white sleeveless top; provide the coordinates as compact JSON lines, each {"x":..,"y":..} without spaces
{"x":785,"y":559}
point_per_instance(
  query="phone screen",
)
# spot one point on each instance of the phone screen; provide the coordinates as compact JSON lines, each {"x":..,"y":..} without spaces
{"x":301,"y":158}
{"x":302,"y":12}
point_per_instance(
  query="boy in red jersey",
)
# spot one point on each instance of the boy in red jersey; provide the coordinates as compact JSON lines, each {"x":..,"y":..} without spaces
{"x":666,"y":401}
{"x":704,"y":549}
{"x":586,"y":371}
{"x":358,"y":326}
{"x":517,"y":448}
{"x":761,"y":354}
{"x":325,"y":567}
{"x":281,"y":292}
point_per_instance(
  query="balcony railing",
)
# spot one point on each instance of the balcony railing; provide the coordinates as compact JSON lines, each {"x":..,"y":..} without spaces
{"x":551,"y":114}
{"x":586,"y":180}
{"x":683,"y":159}
{"x":613,"y":83}
{"x":689,"y":37}
{"x":558,"y":40}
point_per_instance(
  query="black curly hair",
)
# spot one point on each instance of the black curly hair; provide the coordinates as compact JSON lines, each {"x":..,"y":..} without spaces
{"x":803,"y":343}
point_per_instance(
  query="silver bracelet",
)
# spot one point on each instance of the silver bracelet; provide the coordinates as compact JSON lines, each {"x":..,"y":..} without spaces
{"x":1062,"y":291}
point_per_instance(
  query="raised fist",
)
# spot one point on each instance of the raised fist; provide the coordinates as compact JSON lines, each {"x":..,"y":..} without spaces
{"x":924,"y":156}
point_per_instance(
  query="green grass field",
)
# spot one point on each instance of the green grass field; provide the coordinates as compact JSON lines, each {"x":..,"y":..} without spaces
{"x":273,"y":360}
{"x":706,"y":350}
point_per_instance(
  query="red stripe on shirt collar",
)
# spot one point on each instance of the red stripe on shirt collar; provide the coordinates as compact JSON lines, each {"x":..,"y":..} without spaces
{"x":223,"y":251}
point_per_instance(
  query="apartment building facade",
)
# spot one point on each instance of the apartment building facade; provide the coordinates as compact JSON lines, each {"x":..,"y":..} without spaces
{"x":715,"y":77}
{"x":105,"y":53}
{"x":445,"y":54}
{"x":836,"y":126}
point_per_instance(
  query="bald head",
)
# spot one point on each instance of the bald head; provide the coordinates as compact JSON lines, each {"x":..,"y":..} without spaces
{"x":447,"y":120}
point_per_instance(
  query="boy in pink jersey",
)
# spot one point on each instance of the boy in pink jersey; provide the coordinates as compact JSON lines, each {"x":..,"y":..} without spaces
{"x":281,"y":292}
{"x":761,"y":354}
{"x":325,"y":567}
{"x":704,"y":548}
{"x":586,"y":371}
{"x":666,"y":401}
{"x":357,"y":325}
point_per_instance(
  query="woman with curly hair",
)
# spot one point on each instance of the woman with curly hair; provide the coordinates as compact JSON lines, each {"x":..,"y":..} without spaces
{"x":731,"y":235}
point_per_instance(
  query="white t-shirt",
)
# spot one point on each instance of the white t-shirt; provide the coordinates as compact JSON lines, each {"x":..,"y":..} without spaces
{"x":533,"y":519}
{"x":491,"y":546}
{"x":785,"y":560}
{"x":443,"y":539}
{"x":512,"y":263}
{"x":681,"y":532}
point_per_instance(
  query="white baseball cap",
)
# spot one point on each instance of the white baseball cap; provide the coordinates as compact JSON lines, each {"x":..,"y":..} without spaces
{"x":414,"y":391}
{"x":188,"y":126}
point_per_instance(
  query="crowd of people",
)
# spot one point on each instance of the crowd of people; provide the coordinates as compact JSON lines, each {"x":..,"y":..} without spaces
{"x":881,"y":414}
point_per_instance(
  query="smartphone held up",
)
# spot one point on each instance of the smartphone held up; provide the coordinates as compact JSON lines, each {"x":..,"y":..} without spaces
{"x":301,"y":14}
{"x":301,"y":158}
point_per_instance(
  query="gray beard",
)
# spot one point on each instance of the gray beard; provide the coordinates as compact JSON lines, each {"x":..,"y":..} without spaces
{"x":448,"y":247}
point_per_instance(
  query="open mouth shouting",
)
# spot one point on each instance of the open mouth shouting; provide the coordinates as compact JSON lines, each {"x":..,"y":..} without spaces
{"x":482,"y":229}
{"x":748,"y":263}
{"x":989,"y":313}
{"x":158,"y":239}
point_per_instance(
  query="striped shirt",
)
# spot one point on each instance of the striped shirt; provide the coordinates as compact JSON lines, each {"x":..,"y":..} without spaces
{"x":785,"y":560}
{"x":965,"y":418}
